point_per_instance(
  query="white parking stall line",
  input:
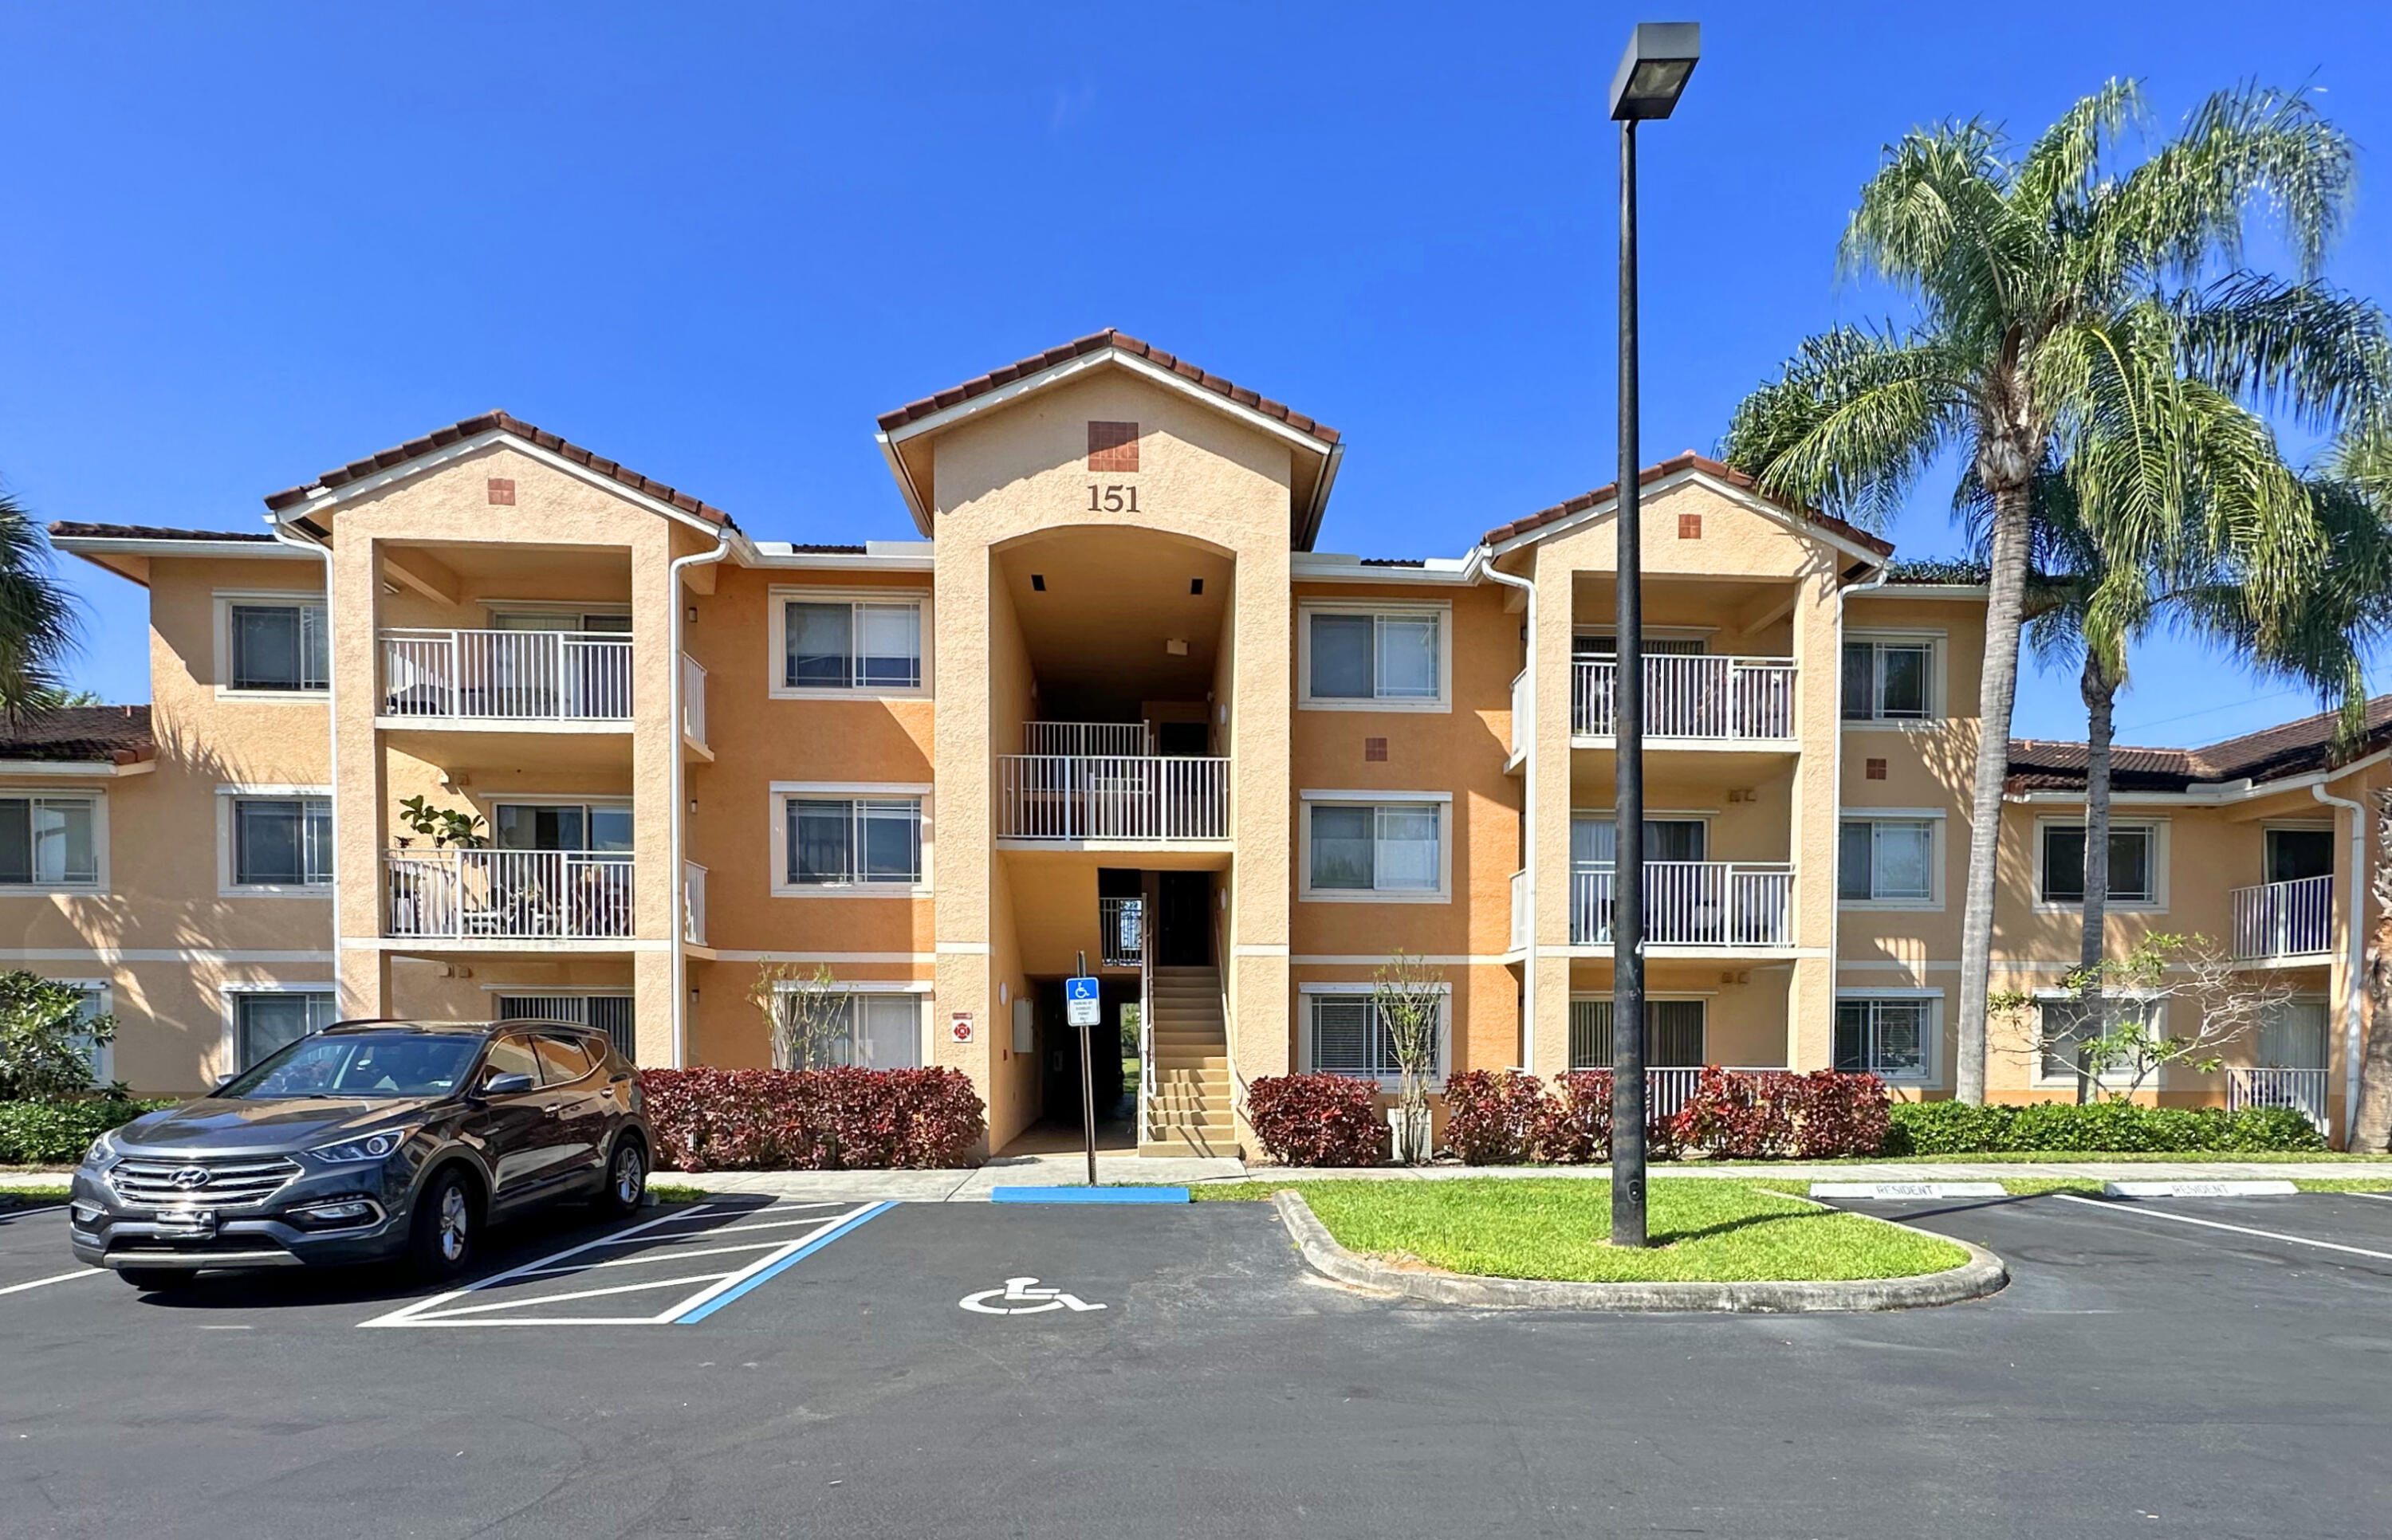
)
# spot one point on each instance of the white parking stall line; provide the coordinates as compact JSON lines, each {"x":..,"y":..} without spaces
{"x":57,"y":1278}
{"x":455,"y":1310}
{"x":662,"y":1253}
{"x":2142,"y":1213}
{"x":2372,"y":1197}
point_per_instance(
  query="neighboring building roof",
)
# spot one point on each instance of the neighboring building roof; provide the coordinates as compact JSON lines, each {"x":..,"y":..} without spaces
{"x":2270,"y":754}
{"x":67,"y":530}
{"x":440,"y":438}
{"x":1095,"y":341}
{"x":119,"y":734}
{"x":1675,"y":465}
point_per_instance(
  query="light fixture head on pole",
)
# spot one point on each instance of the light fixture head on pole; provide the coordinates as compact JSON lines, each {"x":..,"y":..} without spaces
{"x":1653,"y":72}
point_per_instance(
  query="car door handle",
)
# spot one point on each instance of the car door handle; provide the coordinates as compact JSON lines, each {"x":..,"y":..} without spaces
{"x":552,"y":1108}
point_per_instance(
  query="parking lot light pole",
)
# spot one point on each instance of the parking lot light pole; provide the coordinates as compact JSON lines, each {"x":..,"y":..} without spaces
{"x":1652,"y":73}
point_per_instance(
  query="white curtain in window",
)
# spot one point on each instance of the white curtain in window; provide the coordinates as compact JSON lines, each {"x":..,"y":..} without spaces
{"x":1407,"y":849}
{"x":1406,"y":658}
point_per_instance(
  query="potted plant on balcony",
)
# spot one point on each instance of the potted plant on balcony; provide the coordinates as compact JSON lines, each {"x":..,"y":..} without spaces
{"x":443,"y":826}
{"x":1409,"y":1002}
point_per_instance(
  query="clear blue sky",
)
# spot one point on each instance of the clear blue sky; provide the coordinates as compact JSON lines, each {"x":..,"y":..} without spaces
{"x":247,"y":243}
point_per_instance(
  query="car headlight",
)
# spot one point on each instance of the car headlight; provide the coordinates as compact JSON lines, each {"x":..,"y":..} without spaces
{"x":372,"y":1146}
{"x":102,"y":1151}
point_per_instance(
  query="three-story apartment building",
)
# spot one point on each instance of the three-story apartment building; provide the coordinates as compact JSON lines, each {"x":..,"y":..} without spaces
{"x":1113,"y":704}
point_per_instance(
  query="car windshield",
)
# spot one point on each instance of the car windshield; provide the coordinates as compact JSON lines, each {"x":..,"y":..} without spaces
{"x":363,"y":1064}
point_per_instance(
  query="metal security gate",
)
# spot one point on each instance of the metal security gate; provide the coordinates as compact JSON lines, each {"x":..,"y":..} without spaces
{"x":611,"y":1013}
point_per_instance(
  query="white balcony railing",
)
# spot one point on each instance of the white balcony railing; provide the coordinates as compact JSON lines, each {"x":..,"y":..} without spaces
{"x":1111,"y":796}
{"x":513,"y":895}
{"x":1693,"y":903}
{"x":692,"y":699}
{"x":522,"y":676}
{"x":693,"y":903}
{"x":1122,"y":923}
{"x":1690,"y":695}
{"x":1082,"y":738}
{"x":1670,"y":1087}
{"x":1519,"y":911}
{"x":1523,"y":720}
{"x":2303,"y":1090}
{"x":2285,"y":919}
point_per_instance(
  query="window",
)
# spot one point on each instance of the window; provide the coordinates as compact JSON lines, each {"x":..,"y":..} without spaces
{"x":1594,"y":840}
{"x":609,"y":1012}
{"x":563,"y":1059}
{"x":851,"y":644}
{"x":1888,"y":1038}
{"x":835,"y":841}
{"x":281,"y":841}
{"x":2063,"y":1022}
{"x":873,"y":1030}
{"x":2293,"y":1035}
{"x":264,"y":1020}
{"x":1889,"y":682}
{"x":2133,"y":877}
{"x":1674,"y":1033}
{"x":277,"y":646}
{"x":511,"y":1055}
{"x":93,"y":1003}
{"x":1392,"y":657}
{"x":1592,"y":645}
{"x":562,"y":826}
{"x":1376,"y":847}
{"x":2294,"y":854}
{"x":49,"y":841}
{"x":1348,"y":1034}
{"x":1887,"y":860}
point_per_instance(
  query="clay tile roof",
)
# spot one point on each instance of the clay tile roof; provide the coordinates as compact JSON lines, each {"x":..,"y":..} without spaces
{"x":1095,"y":341}
{"x":1670,"y":467}
{"x":117,"y":733}
{"x":441,"y":437}
{"x":2289,"y":748}
{"x":63,"y":530}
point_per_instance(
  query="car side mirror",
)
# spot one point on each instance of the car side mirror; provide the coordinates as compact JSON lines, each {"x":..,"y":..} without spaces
{"x":506,"y":1085}
{"x":221,"y":1083}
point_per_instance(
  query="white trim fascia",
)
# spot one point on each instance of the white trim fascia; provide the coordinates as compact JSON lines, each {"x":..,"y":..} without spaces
{"x":278,"y":986}
{"x":1439,"y":572}
{"x":1701,"y":477}
{"x":155,"y":955}
{"x":895,"y":959}
{"x":1056,"y":374}
{"x":545,"y":726}
{"x":88,"y":546}
{"x":1931,"y":590}
{"x":443,"y":946}
{"x":851,"y":788}
{"x":325,"y":499}
{"x":1863,"y":813}
{"x":562,"y":992}
{"x":878,"y":556}
{"x":74,"y":770}
{"x":859,"y":986}
{"x":1373,"y":796}
{"x":1341,"y":985}
{"x":269,"y":789}
{"x":1379,"y":960}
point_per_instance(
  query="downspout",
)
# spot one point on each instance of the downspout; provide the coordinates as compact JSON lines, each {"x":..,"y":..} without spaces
{"x":675,"y":839}
{"x":1527,"y":812}
{"x":2353,"y":1002}
{"x":1836,"y":786}
{"x":332,"y":737}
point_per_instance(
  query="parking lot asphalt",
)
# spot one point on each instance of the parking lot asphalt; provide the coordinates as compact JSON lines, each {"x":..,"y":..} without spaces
{"x":931,"y":1370}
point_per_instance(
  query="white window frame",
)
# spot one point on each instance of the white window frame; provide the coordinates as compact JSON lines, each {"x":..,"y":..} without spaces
{"x":918,"y":988}
{"x":1410,"y":610}
{"x":98,"y":800}
{"x":778,"y":633}
{"x":1308,"y":993}
{"x":228,"y":885}
{"x":2116,"y":1078}
{"x":225,"y":600}
{"x":103,"y":993}
{"x":1930,"y":1072}
{"x":777,"y":809}
{"x":1934,"y":820}
{"x":1651,"y":1000}
{"x":228,"y":1047}
{"x":1937,"y":699}
{"x":2158,"y":837}
{"x":1441,"y":801}
{"x":489,"y":807}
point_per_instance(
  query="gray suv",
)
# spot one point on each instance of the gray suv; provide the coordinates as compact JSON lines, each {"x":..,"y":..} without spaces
{"x":367,"y":1141}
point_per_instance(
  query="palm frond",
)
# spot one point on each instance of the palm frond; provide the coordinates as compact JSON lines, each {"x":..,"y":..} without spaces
{"x":41,"y":623}
{"x":1851,"y":423}
{"x":2311,"y":352}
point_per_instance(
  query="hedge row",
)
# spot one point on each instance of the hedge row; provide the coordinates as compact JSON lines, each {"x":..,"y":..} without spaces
{"x":56,"y":1134}
{"x":1958,"y":1127}
{"x":812,"y":1119}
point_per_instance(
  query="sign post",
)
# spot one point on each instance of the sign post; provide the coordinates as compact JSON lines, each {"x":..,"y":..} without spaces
{"x":1083,"y":1008}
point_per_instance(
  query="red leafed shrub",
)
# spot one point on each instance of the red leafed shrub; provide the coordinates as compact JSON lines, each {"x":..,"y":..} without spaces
{"x":812,"y":1119}
{"x":1840,"y":1113}
{"x":1775,"y":1114}
{"x":1494,"y":1119}
{"x":1578,"y":1119}
{"x":1318,"y":1120}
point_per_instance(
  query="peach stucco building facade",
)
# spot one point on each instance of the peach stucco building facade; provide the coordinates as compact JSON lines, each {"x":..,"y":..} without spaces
{"x":1112,"y":705}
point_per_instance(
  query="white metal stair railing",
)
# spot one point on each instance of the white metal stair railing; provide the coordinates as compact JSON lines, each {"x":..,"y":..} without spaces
{"x":1690,"y":695}
{"x":1112,"y":796}
{"x":1693,"y":903}
{"x":516,"y":675}
{"x":2302,"y":1090}
{"x":508,"y":895}
{"x":2285,"y":919}
{"x":1146,"y":1085}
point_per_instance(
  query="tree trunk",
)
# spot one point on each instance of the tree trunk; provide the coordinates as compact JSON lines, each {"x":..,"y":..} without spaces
{"x":2098,"y":687}
{"x":1997,"y":692}
{"x":2370,"y":1123}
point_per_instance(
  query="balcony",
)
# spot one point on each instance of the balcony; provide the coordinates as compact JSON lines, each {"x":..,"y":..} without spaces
{"x":693,"y":903}
{"x":1729,"y":905}
{"x":1524,"y":722}
{"x":507,"y":895}
{"x":1519,"y":932}
{"x":507,"y":676}
{"x":693,"y":701}
{"x":2285,"y":919}
{"x":1695,"y":696}
{"x":1102,"y":782}
{"x":2302,"y":1090}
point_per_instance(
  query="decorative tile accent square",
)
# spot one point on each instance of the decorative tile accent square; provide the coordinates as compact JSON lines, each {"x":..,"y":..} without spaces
{"x":1112,"y":446}
{"x":502,"y":491}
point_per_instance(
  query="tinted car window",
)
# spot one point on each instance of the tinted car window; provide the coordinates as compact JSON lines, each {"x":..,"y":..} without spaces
{"x":562,"y":1058}
{"x":360,"y":1065}
{"x":511,"y":1055}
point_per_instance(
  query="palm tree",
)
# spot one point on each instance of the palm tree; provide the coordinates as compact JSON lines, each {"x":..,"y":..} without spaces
{"x":40,"y":622}
{"x":2039,"y":275}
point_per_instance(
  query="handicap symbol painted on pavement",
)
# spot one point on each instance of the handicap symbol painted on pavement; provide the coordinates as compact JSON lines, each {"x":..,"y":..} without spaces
{"x":1022,"y":1296}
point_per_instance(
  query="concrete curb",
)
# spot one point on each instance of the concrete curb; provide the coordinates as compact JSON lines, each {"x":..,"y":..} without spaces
{"x":1981,"y":1275}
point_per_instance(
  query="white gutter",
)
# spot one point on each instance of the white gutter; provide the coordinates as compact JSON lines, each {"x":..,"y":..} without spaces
{"x":2352,"y":994}
{"x":675,"y":873}
{"x":1836,"y":787}
{"x":1483,"y":562}
{"x":332,"y":740}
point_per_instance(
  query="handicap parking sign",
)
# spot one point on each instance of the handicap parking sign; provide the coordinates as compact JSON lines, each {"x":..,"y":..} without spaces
{"x":1082,"y":1007}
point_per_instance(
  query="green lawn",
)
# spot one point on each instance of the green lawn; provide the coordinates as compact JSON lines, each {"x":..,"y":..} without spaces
{"x":1705,"y":1232}
{"x":26,"y":1197}
{"x":2066,"y":1157}
{"x":666,"y":1192}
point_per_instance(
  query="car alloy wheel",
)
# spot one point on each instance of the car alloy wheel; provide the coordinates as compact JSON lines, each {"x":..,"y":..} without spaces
{"x":456,"y":1224}
{"x":630,"y":1182}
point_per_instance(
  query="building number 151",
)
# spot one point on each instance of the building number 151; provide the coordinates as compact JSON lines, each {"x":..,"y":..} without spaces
{"x":1114,"y":499}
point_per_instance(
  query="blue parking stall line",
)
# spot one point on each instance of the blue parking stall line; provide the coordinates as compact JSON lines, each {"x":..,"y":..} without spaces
{"x":1088,"y":1194}
{"x":781,"y":1266}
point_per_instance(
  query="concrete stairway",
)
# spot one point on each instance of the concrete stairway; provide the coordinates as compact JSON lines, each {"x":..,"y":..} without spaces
{"x":1192,"y":1106}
